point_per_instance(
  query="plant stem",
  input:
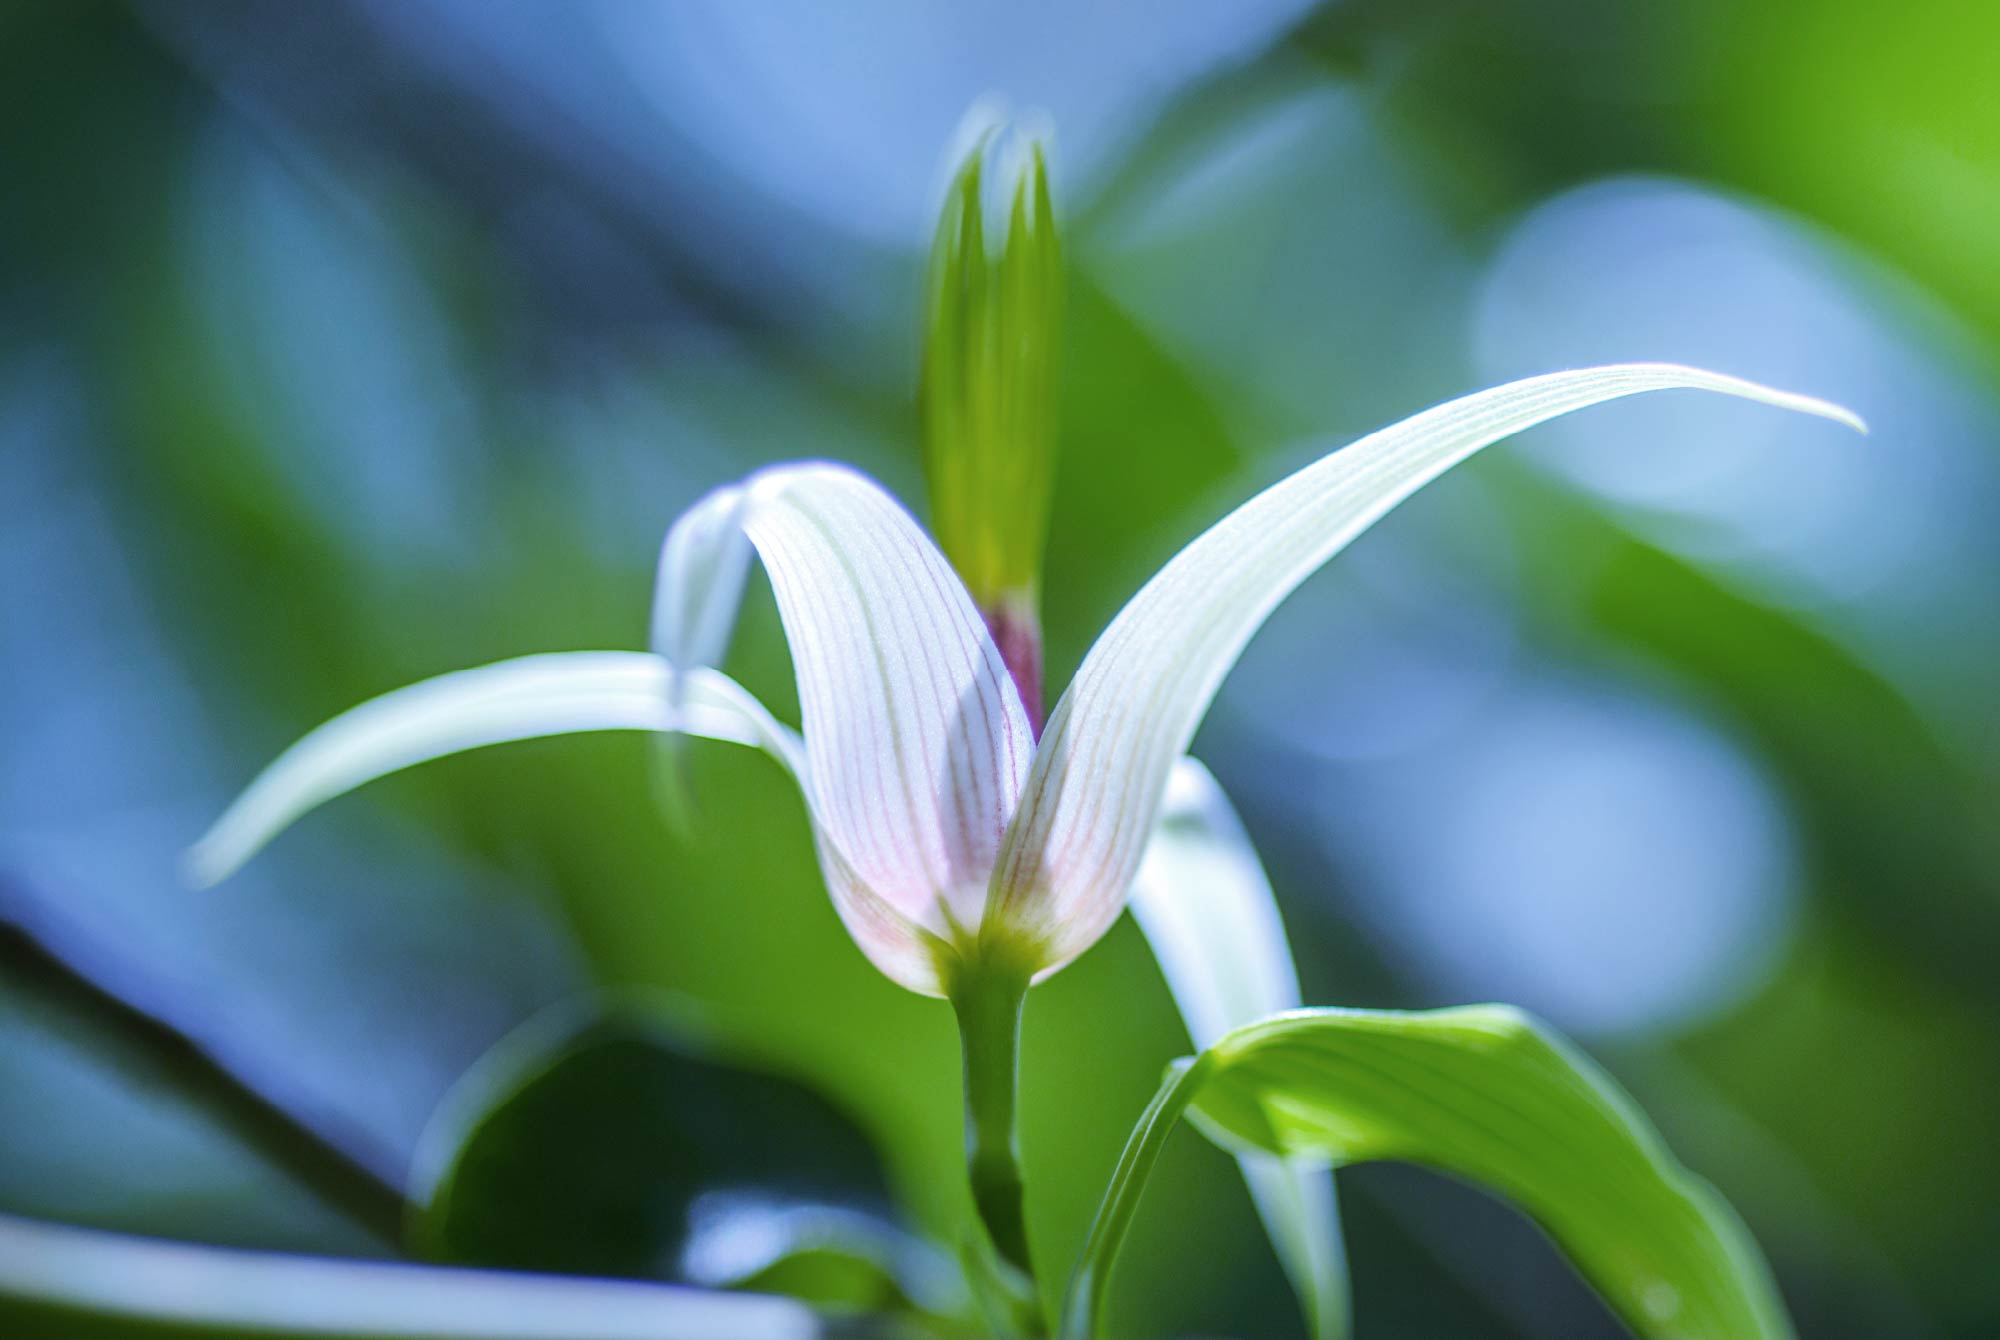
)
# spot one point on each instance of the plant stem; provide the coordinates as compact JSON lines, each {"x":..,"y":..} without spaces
{"x":988,"y":996}
{"x":1083,"y":1309}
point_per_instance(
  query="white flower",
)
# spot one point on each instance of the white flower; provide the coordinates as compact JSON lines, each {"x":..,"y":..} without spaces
{"x":947,"y":833}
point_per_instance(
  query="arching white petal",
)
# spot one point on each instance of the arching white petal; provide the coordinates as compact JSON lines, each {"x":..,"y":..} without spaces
{"x":916,"y":741}
{"x":553,"y":694}
{"x":1092,"y":797}
{"x":1206,"y":907}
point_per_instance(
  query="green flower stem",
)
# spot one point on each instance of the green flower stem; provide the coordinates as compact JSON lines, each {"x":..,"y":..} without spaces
{"x":988,"y":995}
{"x":1083,"y":1309}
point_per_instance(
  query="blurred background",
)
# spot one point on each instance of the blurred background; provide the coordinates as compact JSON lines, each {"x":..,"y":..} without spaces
{"x":348,"y":343}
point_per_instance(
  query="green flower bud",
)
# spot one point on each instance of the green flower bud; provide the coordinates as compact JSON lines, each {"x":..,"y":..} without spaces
{"x":988,"y":399}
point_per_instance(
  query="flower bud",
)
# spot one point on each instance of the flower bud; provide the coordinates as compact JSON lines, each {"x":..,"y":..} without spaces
{"x":988,"y":396}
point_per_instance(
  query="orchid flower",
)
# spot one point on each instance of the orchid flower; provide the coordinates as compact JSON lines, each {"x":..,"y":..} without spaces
{"x":969,"y":852}
{"x":952,"y":840}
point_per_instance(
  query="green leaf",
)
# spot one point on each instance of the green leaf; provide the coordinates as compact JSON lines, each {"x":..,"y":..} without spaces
{"x":843,"y":1262}
{"x":601,"y":1144}
{"x":836,"y":1259}
{"x":76,"y":1283}
{"x":832,"y":1276}
{"x":1488,"y":1094}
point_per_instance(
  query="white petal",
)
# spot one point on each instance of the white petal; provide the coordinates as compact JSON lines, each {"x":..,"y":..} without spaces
{"x":1135,"y":703}
{"x":1206,"y":907}
{"x":916,"y":740}
{"x":552,"y":694}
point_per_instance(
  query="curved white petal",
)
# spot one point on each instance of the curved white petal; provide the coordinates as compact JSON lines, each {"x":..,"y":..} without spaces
{"x":1091,"y":799}
{"x":1202,"y":898}
{"x":916,"y":741}
{"x":552,"y":694}
{"x":558,"y":693}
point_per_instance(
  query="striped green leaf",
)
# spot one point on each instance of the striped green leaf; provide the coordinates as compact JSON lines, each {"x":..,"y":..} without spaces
{"x":1488,"y":1094}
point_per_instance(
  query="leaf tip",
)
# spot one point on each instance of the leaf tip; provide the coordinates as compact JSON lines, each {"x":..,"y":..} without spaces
{"x":1501,"y":1028}
{"x":1501,"y":1017}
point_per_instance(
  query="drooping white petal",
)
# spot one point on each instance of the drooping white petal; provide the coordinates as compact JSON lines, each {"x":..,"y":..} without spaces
{"x":551,"y":694}
{"x":558,"y":693}
{"x":1103,"y":761}
{"x":916,"y":741}
{"x":1202,"y":898}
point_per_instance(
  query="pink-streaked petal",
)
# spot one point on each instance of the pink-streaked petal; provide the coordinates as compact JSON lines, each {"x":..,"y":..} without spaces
{"x":916,"y":741}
